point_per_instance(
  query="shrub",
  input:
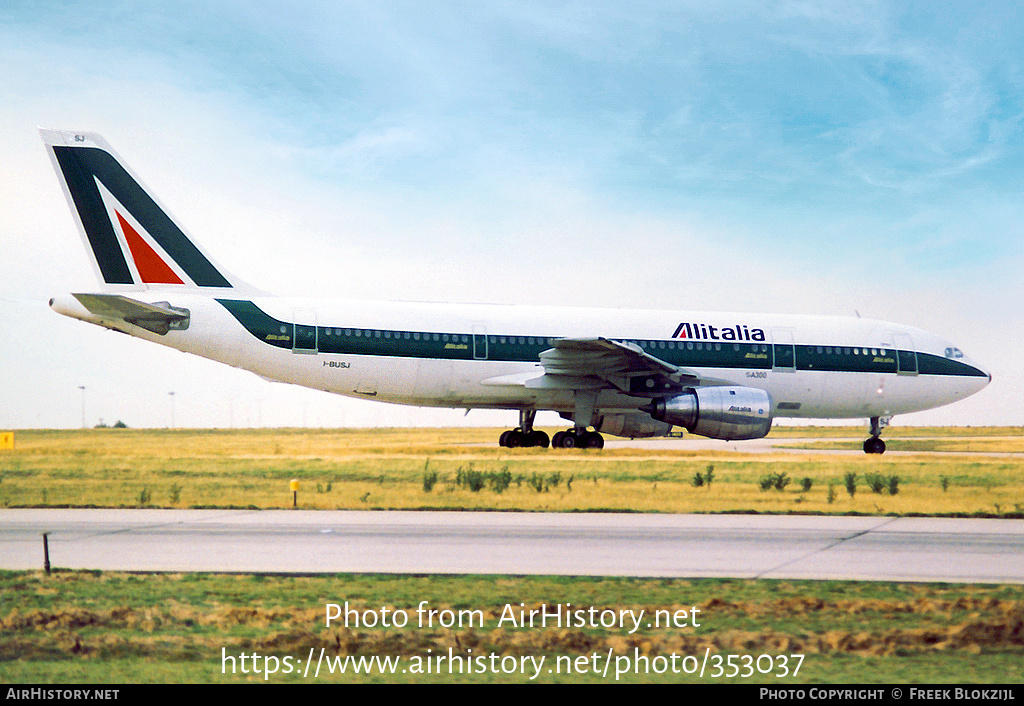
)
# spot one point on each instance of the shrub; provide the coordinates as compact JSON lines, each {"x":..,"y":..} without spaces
{"x":429,"y":479}
{"x":894,"y":485}
{"x":500,"y":481}
{"x":851,"y":483}
{"x":779,"y":481}
{"x":475,"y":480}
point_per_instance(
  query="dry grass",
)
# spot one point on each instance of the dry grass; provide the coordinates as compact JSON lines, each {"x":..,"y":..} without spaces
{"x":173,"y":626}
{"x":385,"y":468}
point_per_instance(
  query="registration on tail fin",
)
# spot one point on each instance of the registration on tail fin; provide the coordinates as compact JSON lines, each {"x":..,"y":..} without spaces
{"x":134,"y":242}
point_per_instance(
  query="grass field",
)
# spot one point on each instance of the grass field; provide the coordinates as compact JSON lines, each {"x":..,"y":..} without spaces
{"x":464,"y":469}
{"x":116,"y":628}
{"x":108,"y":627}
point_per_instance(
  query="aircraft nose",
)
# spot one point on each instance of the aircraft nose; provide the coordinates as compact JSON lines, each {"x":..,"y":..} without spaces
{"x":983,"y":370}
{"x":985,"y":375}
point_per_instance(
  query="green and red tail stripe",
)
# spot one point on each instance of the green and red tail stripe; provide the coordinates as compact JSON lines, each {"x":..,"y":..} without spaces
{"x":134,"y":242}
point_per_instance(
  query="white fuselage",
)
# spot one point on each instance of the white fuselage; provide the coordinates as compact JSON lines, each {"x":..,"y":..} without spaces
{"x":811,"y":366}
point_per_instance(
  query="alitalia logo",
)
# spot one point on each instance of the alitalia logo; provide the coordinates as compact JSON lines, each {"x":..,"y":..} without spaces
{"x":707,"y":332}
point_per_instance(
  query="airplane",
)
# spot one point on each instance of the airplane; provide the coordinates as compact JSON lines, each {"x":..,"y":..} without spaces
{"x":627,"y":373}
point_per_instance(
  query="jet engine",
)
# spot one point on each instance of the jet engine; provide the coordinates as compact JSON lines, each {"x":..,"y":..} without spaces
{"x":633,"y":426}
{"x":730,"y":413}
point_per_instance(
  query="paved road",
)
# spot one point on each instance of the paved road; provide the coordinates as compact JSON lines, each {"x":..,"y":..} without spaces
{"x":870,"y":548}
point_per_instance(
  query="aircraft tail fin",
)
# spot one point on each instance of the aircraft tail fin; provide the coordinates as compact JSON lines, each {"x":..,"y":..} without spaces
{"x":134,"y":242}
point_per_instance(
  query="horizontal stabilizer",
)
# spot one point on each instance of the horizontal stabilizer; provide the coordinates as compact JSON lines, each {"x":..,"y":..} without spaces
{"x":159,"y":318}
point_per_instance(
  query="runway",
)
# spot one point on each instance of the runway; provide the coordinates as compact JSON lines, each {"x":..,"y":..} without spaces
{"x":741,"y":546}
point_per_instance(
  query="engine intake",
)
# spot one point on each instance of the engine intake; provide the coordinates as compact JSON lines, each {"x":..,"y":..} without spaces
{"x":729,"y":413}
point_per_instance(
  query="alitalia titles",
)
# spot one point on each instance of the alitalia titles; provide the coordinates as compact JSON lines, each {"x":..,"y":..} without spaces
{"x":707,"y":332}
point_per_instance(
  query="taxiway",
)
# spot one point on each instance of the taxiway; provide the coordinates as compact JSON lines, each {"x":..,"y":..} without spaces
{"x":742,"y":546}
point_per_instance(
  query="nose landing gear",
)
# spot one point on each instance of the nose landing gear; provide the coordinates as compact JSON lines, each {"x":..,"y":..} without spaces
{"x":875,"y":445}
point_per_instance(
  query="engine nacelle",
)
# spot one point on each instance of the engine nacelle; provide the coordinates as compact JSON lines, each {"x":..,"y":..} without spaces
{"x":633,"y":426}
{"x":730,"y":413}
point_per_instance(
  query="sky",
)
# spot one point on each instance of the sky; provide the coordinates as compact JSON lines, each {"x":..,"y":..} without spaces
{"x":797,"y":157}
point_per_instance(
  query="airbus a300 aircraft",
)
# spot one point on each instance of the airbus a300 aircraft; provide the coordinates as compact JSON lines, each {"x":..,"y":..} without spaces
{"x":619,"y":372}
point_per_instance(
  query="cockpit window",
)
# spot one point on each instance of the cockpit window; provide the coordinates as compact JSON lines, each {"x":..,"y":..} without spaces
{"x":954,"y":353}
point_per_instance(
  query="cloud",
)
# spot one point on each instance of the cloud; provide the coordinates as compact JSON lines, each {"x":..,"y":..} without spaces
{"x":803,"y":157}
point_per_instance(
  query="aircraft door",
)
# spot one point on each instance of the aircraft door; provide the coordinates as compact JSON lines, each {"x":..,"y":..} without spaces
{"x":304,"y":339}
{"x":785,"y":353}
{"x":480,"y":342}
{"x":906,"y":356}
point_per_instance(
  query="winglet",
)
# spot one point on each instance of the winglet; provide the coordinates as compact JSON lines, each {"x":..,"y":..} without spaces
{"x":134,"y":242}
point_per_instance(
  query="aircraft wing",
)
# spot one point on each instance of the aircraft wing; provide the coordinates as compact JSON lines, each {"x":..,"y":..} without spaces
{"x":595,"y":363}
{"x":158,"y":318}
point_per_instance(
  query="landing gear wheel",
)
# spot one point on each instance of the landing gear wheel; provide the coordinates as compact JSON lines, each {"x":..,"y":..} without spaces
{"x":503,"y":439}
{"x":591,"y":440}
{"x":574,"y":439}
{"x":874,"y":445}
{"x":539,"y":438}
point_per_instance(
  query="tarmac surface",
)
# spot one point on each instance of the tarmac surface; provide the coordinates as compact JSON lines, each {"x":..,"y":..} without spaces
{"x":587,"y":544}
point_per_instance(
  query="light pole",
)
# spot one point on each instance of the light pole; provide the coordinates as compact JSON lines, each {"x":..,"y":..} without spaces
{"x":172,"y":408}
{"x":82,"y":388}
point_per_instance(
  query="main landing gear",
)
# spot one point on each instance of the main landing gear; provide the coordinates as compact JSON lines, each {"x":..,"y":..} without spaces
{"x":524,"y":436}
{"x":875,"y":445}
{"x":583,"y":414}
{"x":577,"y":439}
{"x":517,"y":438}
